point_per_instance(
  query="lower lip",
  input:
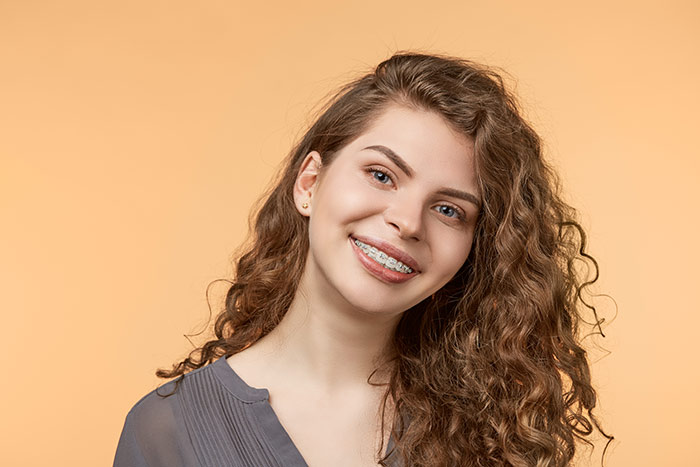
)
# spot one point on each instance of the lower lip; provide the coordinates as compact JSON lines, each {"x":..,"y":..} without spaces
{"x":377,"y":269}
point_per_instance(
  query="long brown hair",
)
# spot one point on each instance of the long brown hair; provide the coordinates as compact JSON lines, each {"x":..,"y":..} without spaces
{"x":490,"y":370}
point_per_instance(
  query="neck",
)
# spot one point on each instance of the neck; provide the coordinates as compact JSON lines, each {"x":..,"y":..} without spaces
{"x":331,"y":349}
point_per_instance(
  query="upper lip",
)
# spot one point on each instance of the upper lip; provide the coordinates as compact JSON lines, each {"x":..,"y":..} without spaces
{"x":389,"y":249}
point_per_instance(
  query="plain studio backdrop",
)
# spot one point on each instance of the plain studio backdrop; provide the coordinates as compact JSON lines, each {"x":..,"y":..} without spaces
{"x":136,"y":135}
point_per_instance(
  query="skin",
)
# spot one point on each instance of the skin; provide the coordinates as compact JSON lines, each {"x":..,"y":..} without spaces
{"x":338,"y":326}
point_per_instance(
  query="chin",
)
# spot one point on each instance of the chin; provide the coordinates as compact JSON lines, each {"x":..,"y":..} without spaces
{"x":378,"y":306}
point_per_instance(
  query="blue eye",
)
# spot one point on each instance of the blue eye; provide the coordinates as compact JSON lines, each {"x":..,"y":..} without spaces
{"x":380,"y":176}
{"x":451,"y":212}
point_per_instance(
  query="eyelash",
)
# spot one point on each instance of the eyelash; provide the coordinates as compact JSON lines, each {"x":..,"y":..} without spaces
{"x":372,"y":170}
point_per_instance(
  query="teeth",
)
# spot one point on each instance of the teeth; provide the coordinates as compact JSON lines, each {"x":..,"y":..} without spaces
{"x":382,"y":258}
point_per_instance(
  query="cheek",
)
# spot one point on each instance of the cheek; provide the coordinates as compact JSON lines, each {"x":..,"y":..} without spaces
{"x":452,"y":253}
{"x":347,"y":199}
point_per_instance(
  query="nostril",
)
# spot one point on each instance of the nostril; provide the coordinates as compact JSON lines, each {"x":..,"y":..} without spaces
{"x":407,"y":220}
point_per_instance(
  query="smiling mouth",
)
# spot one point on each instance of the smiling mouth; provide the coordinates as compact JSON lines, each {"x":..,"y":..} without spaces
{"x":380,"y":257}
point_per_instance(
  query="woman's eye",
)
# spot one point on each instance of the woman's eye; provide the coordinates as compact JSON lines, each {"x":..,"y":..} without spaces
{"x":379,"y":175}
{"x":451,"y":212}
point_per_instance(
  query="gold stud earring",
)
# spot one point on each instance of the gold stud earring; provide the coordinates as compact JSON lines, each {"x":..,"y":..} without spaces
{"x":305,"y":205}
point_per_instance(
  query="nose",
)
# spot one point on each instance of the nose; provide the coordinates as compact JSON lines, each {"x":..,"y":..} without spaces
{"x":407,"y":219}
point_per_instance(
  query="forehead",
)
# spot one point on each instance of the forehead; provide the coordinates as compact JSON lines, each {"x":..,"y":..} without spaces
{"x":409,"y":113}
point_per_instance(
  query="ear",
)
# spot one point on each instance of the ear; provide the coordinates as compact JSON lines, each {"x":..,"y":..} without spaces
{"x":306,"y":182}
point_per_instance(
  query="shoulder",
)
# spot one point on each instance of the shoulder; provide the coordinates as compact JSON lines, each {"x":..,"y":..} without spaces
{"x":162,"y":408}
{"x":163,"y":405}
{"x":200,"y":415}
{"x":157,"y":407}
{"x":154,"y":432}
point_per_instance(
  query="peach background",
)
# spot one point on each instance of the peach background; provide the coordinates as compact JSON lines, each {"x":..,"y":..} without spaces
{"x":135,"y":135}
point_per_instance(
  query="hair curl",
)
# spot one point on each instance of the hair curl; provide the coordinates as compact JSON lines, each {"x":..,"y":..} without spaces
{"x":490,"y":371}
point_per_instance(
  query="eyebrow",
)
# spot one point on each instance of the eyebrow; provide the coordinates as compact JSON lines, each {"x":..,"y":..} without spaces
{"x":405,"y":168}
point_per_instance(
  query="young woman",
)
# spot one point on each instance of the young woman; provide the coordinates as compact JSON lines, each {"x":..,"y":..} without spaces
{"x":409,"y":297}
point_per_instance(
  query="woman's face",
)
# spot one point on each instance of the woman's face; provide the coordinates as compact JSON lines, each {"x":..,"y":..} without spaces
{"x":406,"y":186}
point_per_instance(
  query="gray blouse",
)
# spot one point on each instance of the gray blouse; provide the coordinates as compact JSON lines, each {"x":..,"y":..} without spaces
{"x":213,"y":418}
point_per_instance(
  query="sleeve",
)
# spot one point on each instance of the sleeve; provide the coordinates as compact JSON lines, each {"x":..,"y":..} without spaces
{"x":128,"y":450}
{"x":154,"y":435}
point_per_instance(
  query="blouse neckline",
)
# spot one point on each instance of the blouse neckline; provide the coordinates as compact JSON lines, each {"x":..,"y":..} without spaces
{"x":235,"y":384}
{"x":267,"y":417}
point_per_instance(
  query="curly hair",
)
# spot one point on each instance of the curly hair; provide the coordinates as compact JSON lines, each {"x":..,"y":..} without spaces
{"x":491,"y":369}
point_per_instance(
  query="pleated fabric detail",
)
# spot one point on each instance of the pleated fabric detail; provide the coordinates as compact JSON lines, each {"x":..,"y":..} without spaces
{"x":222,"y":422}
